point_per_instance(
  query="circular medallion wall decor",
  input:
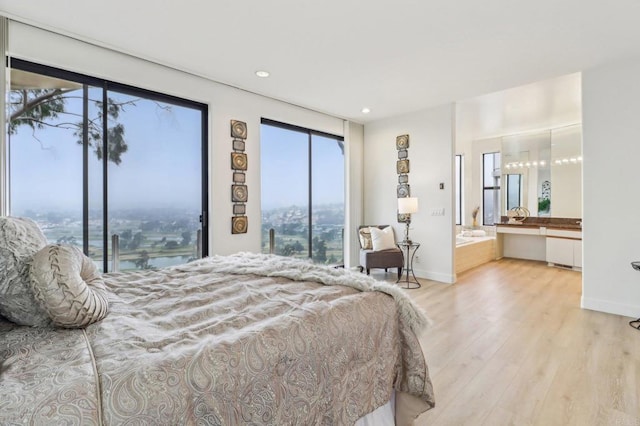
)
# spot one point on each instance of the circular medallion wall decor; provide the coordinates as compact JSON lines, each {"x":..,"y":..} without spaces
{"x":238,"y":129}
{"x":403,"y":190}
{"x":238,"y":161}
{"x":239,"y":193}
{"x":402,"y":142}
{"x":239,"y":225}
{"x":402,"y":166}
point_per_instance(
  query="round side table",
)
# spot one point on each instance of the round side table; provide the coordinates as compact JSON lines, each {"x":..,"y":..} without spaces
{"x":409,"y":249}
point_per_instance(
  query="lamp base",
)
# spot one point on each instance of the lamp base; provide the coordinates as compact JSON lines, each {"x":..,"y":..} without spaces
{"x":406,"y":233}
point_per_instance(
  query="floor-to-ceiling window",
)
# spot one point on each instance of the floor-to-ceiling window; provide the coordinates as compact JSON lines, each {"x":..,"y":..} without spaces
{"x":90,"y":158}
{"x":302,"y":177}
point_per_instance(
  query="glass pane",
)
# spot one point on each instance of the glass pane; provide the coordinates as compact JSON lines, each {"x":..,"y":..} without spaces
{"x":45,"y":154}
{"x":284,"y":165}
{"x":154,"y":180}
{"x":491,"y":204}
{"x":95,"y":167}
{"x":327,"y":156}
{"x":487,"y":160}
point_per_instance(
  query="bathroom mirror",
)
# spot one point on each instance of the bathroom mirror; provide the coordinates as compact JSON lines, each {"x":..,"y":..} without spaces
{"x":526,"y":172}
{"x":542,"y":171}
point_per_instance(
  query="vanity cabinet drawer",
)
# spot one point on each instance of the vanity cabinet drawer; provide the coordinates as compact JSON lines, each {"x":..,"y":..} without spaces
{"x":564,"y":233}
{"x":564,"y":251}
{"x":560,"y":251}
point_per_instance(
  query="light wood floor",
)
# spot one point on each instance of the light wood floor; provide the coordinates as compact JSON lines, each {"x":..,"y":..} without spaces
{"x":510,"y":345}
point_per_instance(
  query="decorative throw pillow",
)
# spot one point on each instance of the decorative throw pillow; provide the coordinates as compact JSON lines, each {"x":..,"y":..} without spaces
{"x":382,"y":239}
{"x":365,"y":238}
{"x":20,"y":239}
{"x":68,"y":286}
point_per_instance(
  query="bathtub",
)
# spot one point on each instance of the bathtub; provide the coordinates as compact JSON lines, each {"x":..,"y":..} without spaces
{"x":473,"y":251}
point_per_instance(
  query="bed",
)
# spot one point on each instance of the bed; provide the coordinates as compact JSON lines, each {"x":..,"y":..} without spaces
{"x":226,"y":340}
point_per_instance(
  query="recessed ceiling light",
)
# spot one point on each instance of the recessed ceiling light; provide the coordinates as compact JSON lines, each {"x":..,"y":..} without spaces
{"x":366,"y":110}
{"x":262,"y":73}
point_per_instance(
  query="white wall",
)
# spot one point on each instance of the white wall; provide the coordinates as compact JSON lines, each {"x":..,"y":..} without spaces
{"x":479,"y":147}
{"x":225,"y":103}
{"x":611,"y":205}
{"x":566,"y":178}
{"x":431,"y":158}
{"x":354,"y":180}
{"x":538,"y":106}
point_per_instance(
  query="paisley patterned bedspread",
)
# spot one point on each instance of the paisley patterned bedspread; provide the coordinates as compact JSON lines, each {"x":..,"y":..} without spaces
{"x":184,"y":347}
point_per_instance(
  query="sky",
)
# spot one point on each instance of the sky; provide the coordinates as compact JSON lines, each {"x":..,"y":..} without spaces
{"x":161,"y":167}
{"x":285,"y":169}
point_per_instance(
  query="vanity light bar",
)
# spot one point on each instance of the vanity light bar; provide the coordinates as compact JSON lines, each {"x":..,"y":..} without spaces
{"x":529,"y":164}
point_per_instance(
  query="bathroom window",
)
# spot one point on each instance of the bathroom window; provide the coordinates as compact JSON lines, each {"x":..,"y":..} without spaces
{"x":459,"y":180}
{"x":490,"y":188}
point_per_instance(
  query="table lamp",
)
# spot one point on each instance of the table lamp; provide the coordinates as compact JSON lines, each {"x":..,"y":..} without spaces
{"x":407,"y":206}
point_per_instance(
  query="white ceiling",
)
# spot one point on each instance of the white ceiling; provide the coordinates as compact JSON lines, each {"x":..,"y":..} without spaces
{"x":337,"y":56}
{"x":543,"y":105}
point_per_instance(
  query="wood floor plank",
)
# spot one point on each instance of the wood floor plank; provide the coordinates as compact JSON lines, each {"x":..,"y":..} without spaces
{"x":510,"y":345}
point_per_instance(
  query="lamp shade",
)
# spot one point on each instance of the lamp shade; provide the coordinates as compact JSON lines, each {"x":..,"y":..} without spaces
{"x":407,"y":205}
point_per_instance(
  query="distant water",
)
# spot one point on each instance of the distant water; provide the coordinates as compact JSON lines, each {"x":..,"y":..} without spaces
{"x":156,"y":262}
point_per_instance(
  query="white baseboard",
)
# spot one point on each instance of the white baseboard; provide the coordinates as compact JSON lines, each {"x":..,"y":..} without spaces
{"x":435,"y":276}
{"x":609,"y":307}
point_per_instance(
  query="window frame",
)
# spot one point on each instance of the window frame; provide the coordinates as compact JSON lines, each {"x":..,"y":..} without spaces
{"x":106,"y":86}
{"x":310,"y":133}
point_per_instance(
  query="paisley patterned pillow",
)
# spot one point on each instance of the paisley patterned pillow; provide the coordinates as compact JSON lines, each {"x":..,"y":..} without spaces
{"x":68,"y":286}
{"x":20,"y":239}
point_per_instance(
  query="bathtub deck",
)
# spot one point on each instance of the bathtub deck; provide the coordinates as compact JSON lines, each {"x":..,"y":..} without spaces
{"x":474,"y":254}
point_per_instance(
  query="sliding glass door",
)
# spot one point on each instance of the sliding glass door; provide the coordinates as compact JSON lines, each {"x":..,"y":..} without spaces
{"x":89,"y":159}
{"x":327,"y":179}
{"x":302,"y":176}
{"x":155,"y":192}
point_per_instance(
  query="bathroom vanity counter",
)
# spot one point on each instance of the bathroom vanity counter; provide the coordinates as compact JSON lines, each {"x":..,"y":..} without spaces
{"x":558,"y":241}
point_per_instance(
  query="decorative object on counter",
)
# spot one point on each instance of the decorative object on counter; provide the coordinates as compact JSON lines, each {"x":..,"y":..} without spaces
{"x":517,"y":215}
{"x":407,"y":206}
{"x":239,"y":165}
{"x":474,"y":216}
{"x":402,"y":168}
